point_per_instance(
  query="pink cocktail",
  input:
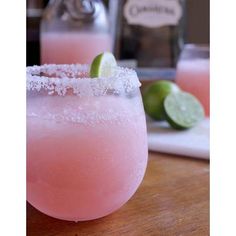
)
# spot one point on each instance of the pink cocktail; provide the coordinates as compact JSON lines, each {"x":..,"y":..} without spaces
{"x":193,"y":73}
{"x":86,"y":141}
{"x":73,"y":47}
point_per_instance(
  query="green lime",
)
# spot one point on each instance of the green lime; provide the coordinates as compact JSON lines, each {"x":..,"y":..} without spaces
{"x":154,"y":95}
{"x":183,"y":110}
{"x":103,"y":65}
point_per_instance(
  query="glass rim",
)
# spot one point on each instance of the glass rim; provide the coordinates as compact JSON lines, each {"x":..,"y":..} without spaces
{"x":197,"y":46}
{"x":61,"y":78}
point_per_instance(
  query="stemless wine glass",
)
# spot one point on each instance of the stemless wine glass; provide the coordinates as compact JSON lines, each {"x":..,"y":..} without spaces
{"x":193,"y":73}
{"x":86,"y":141}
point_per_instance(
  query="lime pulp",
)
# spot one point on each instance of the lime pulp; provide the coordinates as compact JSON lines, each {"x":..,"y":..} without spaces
{"x":183,"y":110}
{"x":103,"y":65}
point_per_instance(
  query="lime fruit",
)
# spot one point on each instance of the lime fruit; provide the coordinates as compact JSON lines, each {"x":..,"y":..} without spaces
{"x":103,"y":65}
{"x":154,"y":96}
{"x":183,"y":110}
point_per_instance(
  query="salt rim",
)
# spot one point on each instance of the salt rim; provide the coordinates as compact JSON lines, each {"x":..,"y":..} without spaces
{"x":61,"y":78}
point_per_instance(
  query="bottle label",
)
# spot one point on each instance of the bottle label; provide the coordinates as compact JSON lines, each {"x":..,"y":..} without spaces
{"x":152,"y":13}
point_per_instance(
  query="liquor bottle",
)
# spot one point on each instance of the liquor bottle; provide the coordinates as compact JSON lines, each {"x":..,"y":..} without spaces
{"x":150,"y":32}
{"x":74,"y":31}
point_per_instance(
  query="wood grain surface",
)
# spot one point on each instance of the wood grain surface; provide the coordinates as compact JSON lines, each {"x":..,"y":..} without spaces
{"x":173,"y":200}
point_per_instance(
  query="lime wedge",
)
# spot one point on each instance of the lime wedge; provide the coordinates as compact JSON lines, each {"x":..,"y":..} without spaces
{"x":183,"y":110}
{"x":103,"y":65}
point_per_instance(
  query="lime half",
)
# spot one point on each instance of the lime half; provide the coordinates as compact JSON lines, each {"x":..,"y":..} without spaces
{"x":154,"y":95}
{"x":183,"y":110}
{"x":103,"y":65}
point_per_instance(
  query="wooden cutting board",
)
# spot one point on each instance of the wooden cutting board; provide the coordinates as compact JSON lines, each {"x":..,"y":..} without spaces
{"x":192,"y":142}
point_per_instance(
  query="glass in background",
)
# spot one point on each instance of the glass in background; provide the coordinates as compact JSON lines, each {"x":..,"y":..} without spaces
{"x":74,"y":31}
{"x":193,"y":73}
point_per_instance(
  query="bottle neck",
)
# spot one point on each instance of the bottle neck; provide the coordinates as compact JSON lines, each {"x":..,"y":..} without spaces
{"x":75,"y":14}
{"x":85,"y":10}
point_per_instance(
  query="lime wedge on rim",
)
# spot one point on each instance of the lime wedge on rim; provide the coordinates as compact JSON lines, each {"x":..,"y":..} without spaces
{"x":103,"y":65}
{"x":183,"y":110}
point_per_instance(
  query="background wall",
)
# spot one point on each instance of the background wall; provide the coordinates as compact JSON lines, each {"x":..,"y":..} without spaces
{"x":197,"y":28}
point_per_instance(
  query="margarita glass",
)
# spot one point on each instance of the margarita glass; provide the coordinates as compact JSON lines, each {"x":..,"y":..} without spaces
{"x":86,"y":141}
{"x":74,"y":31}
{"x":67,"y":47}
{"x":193,"y":73}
